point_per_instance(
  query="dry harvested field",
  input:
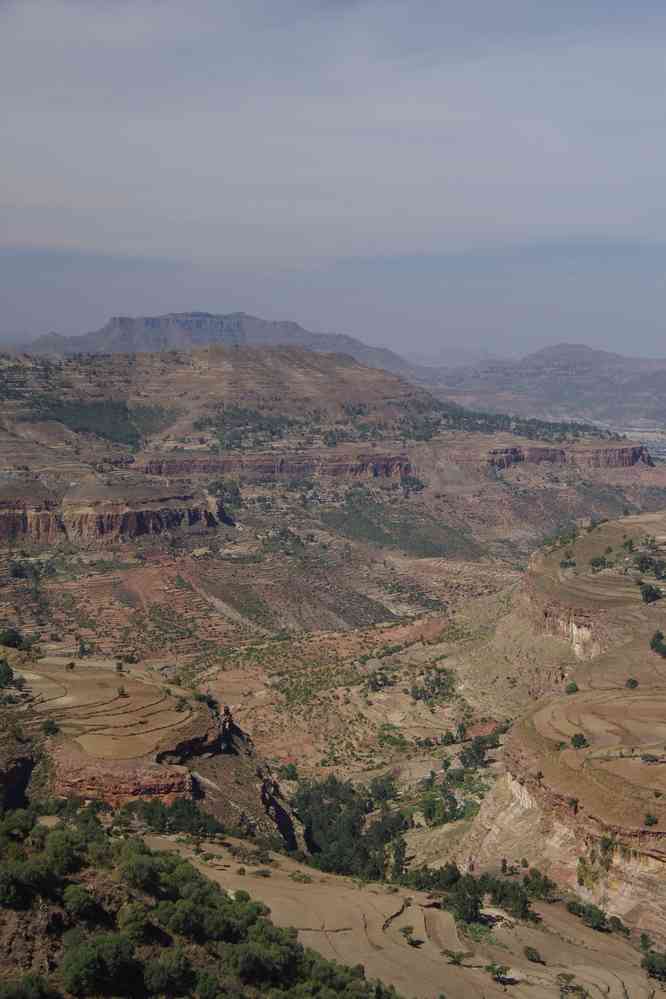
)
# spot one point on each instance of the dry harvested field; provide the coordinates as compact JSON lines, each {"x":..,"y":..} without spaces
{"x":361,"y":924}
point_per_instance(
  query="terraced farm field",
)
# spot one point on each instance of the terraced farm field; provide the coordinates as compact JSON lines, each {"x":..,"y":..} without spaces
{"x":106,"y":714}
{"x":619,"y":706}
{"x":367,"y":924}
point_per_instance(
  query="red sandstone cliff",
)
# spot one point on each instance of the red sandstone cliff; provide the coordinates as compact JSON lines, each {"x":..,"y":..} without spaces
{"x":617,"y":456}
{"x":98,"y":518}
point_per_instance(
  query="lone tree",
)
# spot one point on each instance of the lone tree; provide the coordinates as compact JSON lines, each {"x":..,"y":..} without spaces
{"x":578,"y":741}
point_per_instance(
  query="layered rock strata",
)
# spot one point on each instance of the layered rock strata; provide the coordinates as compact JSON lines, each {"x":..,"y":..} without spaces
{"x":621,"y":456}
{"x":271,"y":466}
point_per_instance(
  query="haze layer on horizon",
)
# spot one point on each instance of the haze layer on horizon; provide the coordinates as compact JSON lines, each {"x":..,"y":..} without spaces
{"x":419,"y":175}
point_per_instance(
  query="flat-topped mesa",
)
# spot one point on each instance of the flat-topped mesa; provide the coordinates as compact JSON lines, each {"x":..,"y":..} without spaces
{"x":270,"y":466}
{"x":588,"y":456}
{"x":94,"y":512}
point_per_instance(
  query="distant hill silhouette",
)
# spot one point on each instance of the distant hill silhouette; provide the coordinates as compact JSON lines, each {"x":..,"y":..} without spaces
{"x":566,"y":381}
{"x":184,"y":330}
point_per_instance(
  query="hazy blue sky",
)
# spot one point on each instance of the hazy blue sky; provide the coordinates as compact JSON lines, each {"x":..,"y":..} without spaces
{"x":415,"y":173}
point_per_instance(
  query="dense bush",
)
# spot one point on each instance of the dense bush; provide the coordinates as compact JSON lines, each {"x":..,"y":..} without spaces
{"x":6,"y":674}
{"x":175,"y":933}
{"x":78,"y":902}
{"x":28,"y":987}
{"x":334,"y":814}
{"x":655,"y":965}
{"x":383,"y":788}
{"x":288,"y":772}
{"x":463,"y":894}
{"x":171,"y":974}
{"x":182,"y":816}
{"x":650,"y":593}
{"x":12,"y":638}
{"x":99,"y":964}
{"x":596,"y":918}
{"x":657,"y":643}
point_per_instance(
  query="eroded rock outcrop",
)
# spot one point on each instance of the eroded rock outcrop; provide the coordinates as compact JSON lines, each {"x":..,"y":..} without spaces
{"x":587,"y":632}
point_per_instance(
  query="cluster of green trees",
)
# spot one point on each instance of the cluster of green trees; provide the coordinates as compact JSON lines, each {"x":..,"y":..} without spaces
{"x":463,"y":894}
{"x":440,"y":804}
{"x":646,"y":563}
{"x":181,"y":816}
{"x":33,"y":571}
{"x":411,"y":484}
{"x":240,"y":426}
{"x":344,"y":840}
{"x":596,"y":918}
{"x":165,"y":930}
{"x":12,"y":638}
{"x":437,"y":684}
{"x":425,"y":417}
{"x":338,"y":833}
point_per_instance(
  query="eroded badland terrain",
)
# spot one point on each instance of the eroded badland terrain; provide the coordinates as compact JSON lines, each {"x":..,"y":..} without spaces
{"x":407,"y":654}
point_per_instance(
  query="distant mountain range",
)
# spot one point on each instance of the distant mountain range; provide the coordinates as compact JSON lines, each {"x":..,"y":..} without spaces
{"x":564,"y":382}
{"x":184,"y":330}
